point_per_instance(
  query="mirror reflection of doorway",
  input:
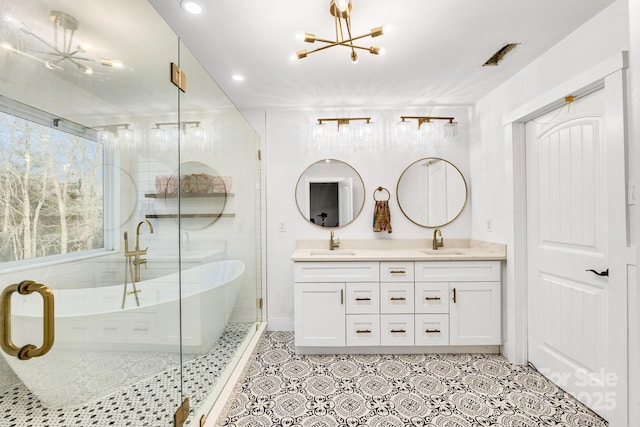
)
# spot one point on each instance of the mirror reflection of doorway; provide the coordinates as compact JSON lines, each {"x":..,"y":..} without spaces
{"x":324,"y":204}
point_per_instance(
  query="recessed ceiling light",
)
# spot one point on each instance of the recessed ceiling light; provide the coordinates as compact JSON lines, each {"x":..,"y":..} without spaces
{"x":191,"y":6}
{"x":237,"y":77}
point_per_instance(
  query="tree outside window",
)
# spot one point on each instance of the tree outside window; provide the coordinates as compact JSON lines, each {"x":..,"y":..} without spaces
{"x":51,"y":191}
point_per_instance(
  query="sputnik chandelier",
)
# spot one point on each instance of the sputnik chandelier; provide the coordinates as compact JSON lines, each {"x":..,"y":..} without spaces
{"x":62,"y":49}
{"x":341,"y":12}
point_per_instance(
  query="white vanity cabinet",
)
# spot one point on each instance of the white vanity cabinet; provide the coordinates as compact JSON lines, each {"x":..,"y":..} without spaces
{"x":320,"y":303}
{"x":396,"y":306}
{"x":469,"y":291}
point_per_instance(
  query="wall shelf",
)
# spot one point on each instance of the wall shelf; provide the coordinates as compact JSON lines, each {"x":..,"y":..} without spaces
{"x":185,"y":195}
{"x":161,"y":216}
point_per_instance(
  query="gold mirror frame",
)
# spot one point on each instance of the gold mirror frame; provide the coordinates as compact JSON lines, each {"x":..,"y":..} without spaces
{"x":356,"y":211}
{"x":413,"y":220}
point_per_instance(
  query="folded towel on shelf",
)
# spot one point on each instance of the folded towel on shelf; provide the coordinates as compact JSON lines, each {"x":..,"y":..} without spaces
{"x":382,"y":216}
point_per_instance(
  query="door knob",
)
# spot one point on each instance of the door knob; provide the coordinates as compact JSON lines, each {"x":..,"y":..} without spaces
{"x":602,"y":273}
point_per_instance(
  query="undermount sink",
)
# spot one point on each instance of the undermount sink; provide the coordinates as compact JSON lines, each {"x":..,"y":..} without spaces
{"x":443,"y":252}
{"x":334,"y":253}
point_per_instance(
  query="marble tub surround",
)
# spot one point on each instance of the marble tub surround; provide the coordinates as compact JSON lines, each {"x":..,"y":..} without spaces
{"x":399,"y":249}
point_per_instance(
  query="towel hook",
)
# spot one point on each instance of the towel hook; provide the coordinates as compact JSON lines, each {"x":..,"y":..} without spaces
{"x":381,"y":189}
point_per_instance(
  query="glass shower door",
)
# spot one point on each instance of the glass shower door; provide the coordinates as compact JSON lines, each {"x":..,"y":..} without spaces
{"x":89,"y":163}
{"x":219,"y":227}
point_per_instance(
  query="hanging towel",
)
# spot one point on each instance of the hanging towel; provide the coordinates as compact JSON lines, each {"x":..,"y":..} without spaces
{"x":382,"y":216}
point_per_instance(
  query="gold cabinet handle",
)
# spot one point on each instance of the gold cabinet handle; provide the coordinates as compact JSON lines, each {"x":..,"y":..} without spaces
{"x":432,"y":298}
{"x":397,"y":298}
{"x":432,"y":331}
{"x":28,"y":351}
{"x":397,"y":331}
{"x":341,"y":296}
{"x":400,"y":272}
{"x":363,"y":299}
{"x":363,"y":331}
{"x":454,"y":295}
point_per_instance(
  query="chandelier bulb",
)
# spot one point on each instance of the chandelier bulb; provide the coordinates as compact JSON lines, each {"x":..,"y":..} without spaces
{"x":354,"y":57}
{"x":342,"y":5}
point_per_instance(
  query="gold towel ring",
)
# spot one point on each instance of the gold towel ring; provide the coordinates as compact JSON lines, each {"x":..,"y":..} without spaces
{"x":381,"y":189}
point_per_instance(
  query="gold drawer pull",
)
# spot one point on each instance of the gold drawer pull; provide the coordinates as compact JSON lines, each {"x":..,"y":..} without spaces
{"x":397,"y":299}
{"x":28,"y":351}
{"x":454,"y":295}
{"x":403,"y":272}
{"x":432,"y":331}
{"x":363,"y":331}
{"x":363,"y":299}
{"x":398,"y":331}
{"x":432,"y":298}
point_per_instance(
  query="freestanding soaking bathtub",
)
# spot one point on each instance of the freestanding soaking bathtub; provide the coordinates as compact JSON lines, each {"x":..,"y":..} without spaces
{"x":100,"y":347}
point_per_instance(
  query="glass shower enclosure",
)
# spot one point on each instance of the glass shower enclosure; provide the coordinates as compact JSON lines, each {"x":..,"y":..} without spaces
{"x":129,"y":220}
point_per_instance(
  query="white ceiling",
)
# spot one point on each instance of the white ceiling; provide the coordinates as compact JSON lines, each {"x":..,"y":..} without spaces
{"x":434,"y":53}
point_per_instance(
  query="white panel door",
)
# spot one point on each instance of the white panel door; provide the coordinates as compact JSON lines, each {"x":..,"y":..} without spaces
{"x":573,"y":337}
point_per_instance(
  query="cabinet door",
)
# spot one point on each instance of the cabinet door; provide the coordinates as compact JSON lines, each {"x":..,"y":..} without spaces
{"x":474,"y":313}
{"x":319,"y":314}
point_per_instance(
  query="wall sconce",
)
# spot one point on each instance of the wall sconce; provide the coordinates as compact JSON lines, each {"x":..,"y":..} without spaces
{"x":192,"y":131}
{"x":427,"y":126}
{"x":361,"y":134}
{"x":110,"y":134}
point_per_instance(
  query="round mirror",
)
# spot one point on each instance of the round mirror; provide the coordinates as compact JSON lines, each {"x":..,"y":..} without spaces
{"x":330,"y":193}
{"x":431,"y":192}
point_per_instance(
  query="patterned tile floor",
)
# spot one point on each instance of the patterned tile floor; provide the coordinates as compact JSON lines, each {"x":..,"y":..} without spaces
{"x":281,"y":388}
{"x":149,"y":403}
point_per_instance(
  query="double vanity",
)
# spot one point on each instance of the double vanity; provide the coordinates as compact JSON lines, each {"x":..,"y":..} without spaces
{"x":397,"y":296}
{"x":393,"y":295}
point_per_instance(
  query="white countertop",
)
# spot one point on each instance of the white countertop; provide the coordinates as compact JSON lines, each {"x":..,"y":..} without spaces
{"x":400,"y":249}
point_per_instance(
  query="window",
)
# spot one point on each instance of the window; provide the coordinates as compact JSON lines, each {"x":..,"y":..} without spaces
{"x":51,"y":187}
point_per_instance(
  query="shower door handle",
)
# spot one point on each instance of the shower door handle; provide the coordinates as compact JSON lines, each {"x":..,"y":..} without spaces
{"x":28,"y":351}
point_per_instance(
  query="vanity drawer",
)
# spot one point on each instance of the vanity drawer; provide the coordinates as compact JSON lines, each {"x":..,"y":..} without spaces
{"x":396,"y":329}
{"x":432,"y":297}
{"x":363,"y":298}
{"x":432,"y":329}
{"x":396,"y":298}
{"x":459,"y":271}
{"x":336,"y":271}
{"x":363,"y":329}
{"x":402,"y":271}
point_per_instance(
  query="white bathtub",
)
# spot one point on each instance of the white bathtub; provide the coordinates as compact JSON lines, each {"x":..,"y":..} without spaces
{"x":95,"y":338}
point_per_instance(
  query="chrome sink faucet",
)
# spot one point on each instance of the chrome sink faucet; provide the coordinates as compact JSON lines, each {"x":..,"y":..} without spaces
{"x":437,"y":243}
{"x":333,"y":243}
